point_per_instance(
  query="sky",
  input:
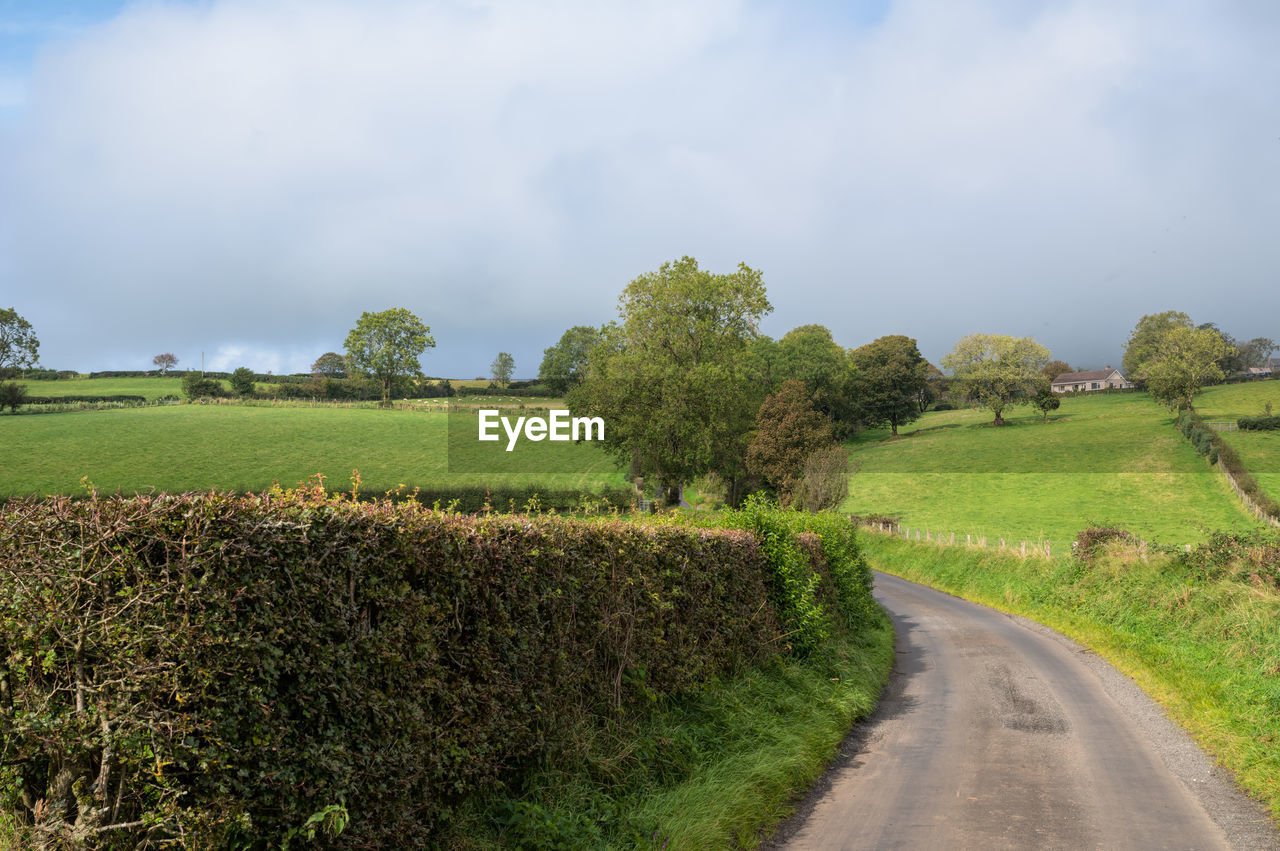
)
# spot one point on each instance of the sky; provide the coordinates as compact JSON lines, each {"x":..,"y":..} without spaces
{"x":244,"y":179}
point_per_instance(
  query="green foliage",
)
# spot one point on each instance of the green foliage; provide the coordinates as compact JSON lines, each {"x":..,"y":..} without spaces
{"x":502,"y":367}
{"x":19,"y":347}
{"x":891,"y":376}
{"x":194,"y":387}
{"x":228,"y":662}
{"x":242,"y":381}
{"x":1270,"y":423}
{"x":1046,"y":400}
{"x":564,"y":365}
{"x":788,"y":431}
{"x":330,"y":365}
{"x":997,"y":370}
{"x":672,"y":381}
{"x":825,"y":481}
{"x":12,"y":394}
{"x":387,"y":345}
{"x":1184,"y":360}
{"x":809,"y":354}
{"x":1143,"y":340}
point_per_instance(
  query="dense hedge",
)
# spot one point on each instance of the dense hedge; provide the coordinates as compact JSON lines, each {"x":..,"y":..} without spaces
{"x":1211,"y":444}
{"x":217,"y":669}
{"x":66,"y":400}
{"x":1258,"y":423}
{"x":510,"y":390}
{"x":530,"y":498}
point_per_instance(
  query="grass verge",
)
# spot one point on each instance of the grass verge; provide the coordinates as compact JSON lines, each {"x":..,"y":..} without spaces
{"x":717,"y":770}
{"x":1207,"y":649}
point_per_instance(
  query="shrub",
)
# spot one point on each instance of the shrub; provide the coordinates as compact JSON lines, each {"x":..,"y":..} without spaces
{"x":825,"y":481}
{"x":12,"y":394}
{"x":226,"y":669}
{"x":242,"y":381}
{"x":1094,"y":540}
{"x":944,"y":406}
{"x":1268,"y":423}
{"x":194,"y":387}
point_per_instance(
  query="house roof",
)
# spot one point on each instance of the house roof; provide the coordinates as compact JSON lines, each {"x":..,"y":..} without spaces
{"x":1073,"y":377}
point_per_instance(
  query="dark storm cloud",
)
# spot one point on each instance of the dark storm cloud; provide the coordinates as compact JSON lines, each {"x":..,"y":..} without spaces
{"x":244,"y":179}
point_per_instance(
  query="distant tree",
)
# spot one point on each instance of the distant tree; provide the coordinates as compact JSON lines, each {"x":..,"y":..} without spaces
{"x":565,"y":364}
{"x":387,"y":345}
{"x":809,"y":354}
{"x":166,"y":361}
{"x":19,"y":348}
{"x":1054,"y":368}
{"x":997,"y":370}
{"x":195,"y":387}
{"x":242,"y":381}
{"x":1230,"y":363}
{"x":502,"y":367}
{"x":788,"y":431}
{"x":1256,"y":352}
{"x":1046,"y":400}
{"x":12,"y":394}
{"x":891,"y":373}
{"x":1146,"y":336}
{"x":330,"y":365}
{"x":673,"y":378}
{"x":935,"y":385}
{"x":1184,"y":360}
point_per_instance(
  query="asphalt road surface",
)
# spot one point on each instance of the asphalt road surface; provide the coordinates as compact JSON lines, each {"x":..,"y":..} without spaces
{"x":999,"y":733}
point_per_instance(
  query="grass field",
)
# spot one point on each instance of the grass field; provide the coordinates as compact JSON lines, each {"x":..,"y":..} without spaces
{"x":1110,"y":459}
{"x":1259,"y":450}
{"x":150,"y":388}
{"x":190,"y":447}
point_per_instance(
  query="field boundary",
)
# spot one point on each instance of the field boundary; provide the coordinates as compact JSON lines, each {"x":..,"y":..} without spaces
{"x":1040,"y":548}
{"x":1253,"y":507}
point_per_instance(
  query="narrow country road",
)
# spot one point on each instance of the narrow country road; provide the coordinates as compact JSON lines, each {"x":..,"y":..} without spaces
{"x":998,"y":733}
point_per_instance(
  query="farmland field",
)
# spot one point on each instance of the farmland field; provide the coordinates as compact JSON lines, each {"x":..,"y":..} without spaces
{"x":150,"y":388}
{"x":1259,"y":450}
{"x":193,"y":447}
{"x":1111,"y":459}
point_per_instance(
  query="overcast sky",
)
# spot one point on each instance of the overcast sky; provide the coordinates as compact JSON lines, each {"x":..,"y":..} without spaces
{"x":245,"y":178}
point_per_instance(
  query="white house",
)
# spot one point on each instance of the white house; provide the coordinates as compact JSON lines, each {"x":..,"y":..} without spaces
{"x":1098,"y":379}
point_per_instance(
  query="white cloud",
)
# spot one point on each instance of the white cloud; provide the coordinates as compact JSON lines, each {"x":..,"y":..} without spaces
{"x":262,"y":172}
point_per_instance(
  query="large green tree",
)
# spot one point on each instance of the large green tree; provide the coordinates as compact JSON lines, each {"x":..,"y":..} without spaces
{"x":565,"y":364}
{"x":19,"y":348}
{"x":1184,"y":360}
{"x":1146,"y":335}
{"x":810,"y":354}
{"x":671,"y":378}
{"x":891,"y":375}
{"x":997,"y":370}
{"x":387,"y":345}
{"x":788,"y":432}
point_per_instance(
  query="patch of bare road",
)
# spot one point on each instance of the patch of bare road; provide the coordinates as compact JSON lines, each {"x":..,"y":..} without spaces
{"x":996,"y":732}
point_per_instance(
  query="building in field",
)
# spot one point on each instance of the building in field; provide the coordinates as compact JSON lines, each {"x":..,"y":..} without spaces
{"x":1083,"y":382}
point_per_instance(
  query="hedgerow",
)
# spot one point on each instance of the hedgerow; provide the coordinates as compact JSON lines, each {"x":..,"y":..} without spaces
{"x":225,"y":670}
{"x":1258,"y":423}
{"x":1209,"y":443}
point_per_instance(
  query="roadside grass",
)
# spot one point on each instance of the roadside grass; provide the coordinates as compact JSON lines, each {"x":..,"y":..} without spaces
{"x":1110,"y":459}
{"x":1207,"y":650}
{"x":152,"y":387}
{"x":1258,"y":450}
{"x":244,"y":448}
{"x":715,"y":770}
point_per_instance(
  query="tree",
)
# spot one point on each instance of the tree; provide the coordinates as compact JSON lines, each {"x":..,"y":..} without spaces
{"x":891,"y":374}
{"x":502,"y":367}
{"x":565,"y":364}
{"x":809,"y":354}
{"x":671,"y":378}
{"x":1146,"y":335}
{"x":166,"y":361}
{"x":387,"y":345}
{"x":997,"y":370}
{"x":1256,"y":352}
{"x":788,"y":431}
{"x":1054,"y":368}
{"x":242,"y":381}
{"x":1230,"y":363}
{"x":19,"y":348}
{"x":1046,"y":400}
{"x":1184,"y":360}
{"x":330,"y":365}
{"x":825,"y":483}
{"x":12,"y":394}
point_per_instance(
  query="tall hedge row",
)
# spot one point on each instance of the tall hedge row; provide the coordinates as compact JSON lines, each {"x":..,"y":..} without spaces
{"x":216,"y":669}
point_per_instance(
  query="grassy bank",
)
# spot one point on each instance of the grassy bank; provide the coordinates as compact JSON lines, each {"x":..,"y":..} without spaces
{"x":1203,"y":642}
{"x":715,"y":771}
{"x":1259,"y":450}
{"x":1112,"y":460}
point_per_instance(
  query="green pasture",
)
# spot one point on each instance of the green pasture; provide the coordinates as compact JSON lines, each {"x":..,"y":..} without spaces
{"x":152,"y":387}
{"x":201,"y":447}
{"x":1108,"y":459}
{"x":1259,"y":450}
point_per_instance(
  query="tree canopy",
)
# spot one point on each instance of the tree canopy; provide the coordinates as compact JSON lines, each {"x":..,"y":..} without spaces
{"x":788,"y":432}
{"x":1145,"y":337}
{"x":890,"y":376}
{"x":19,"y":347}
{"x":330,"y":365}
{"x":387,"y":345}
{"x":501,"y":368}
{"x":166,"y":361}
{"x":809,"y":354}
{"x":1184,"y":360}
{"x":565,"y":364}
{"x":997,"y":370}
{"x":670,"y":377}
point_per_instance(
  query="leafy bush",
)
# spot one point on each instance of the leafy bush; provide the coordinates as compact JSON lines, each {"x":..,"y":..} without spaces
{"x":1094,"y":540}
{"x":12,"y":394}
{"x":1269,"y":423}
{"x":194,"y":387}
{"x":1252,"y":556}
{"x":242,"y":381}
{"x":944,"y":406}
{"x":225,"y":669}
{"x":60,"y":400}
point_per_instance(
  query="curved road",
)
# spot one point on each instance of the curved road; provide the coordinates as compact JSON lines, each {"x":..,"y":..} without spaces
{"x":999,"y":733}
